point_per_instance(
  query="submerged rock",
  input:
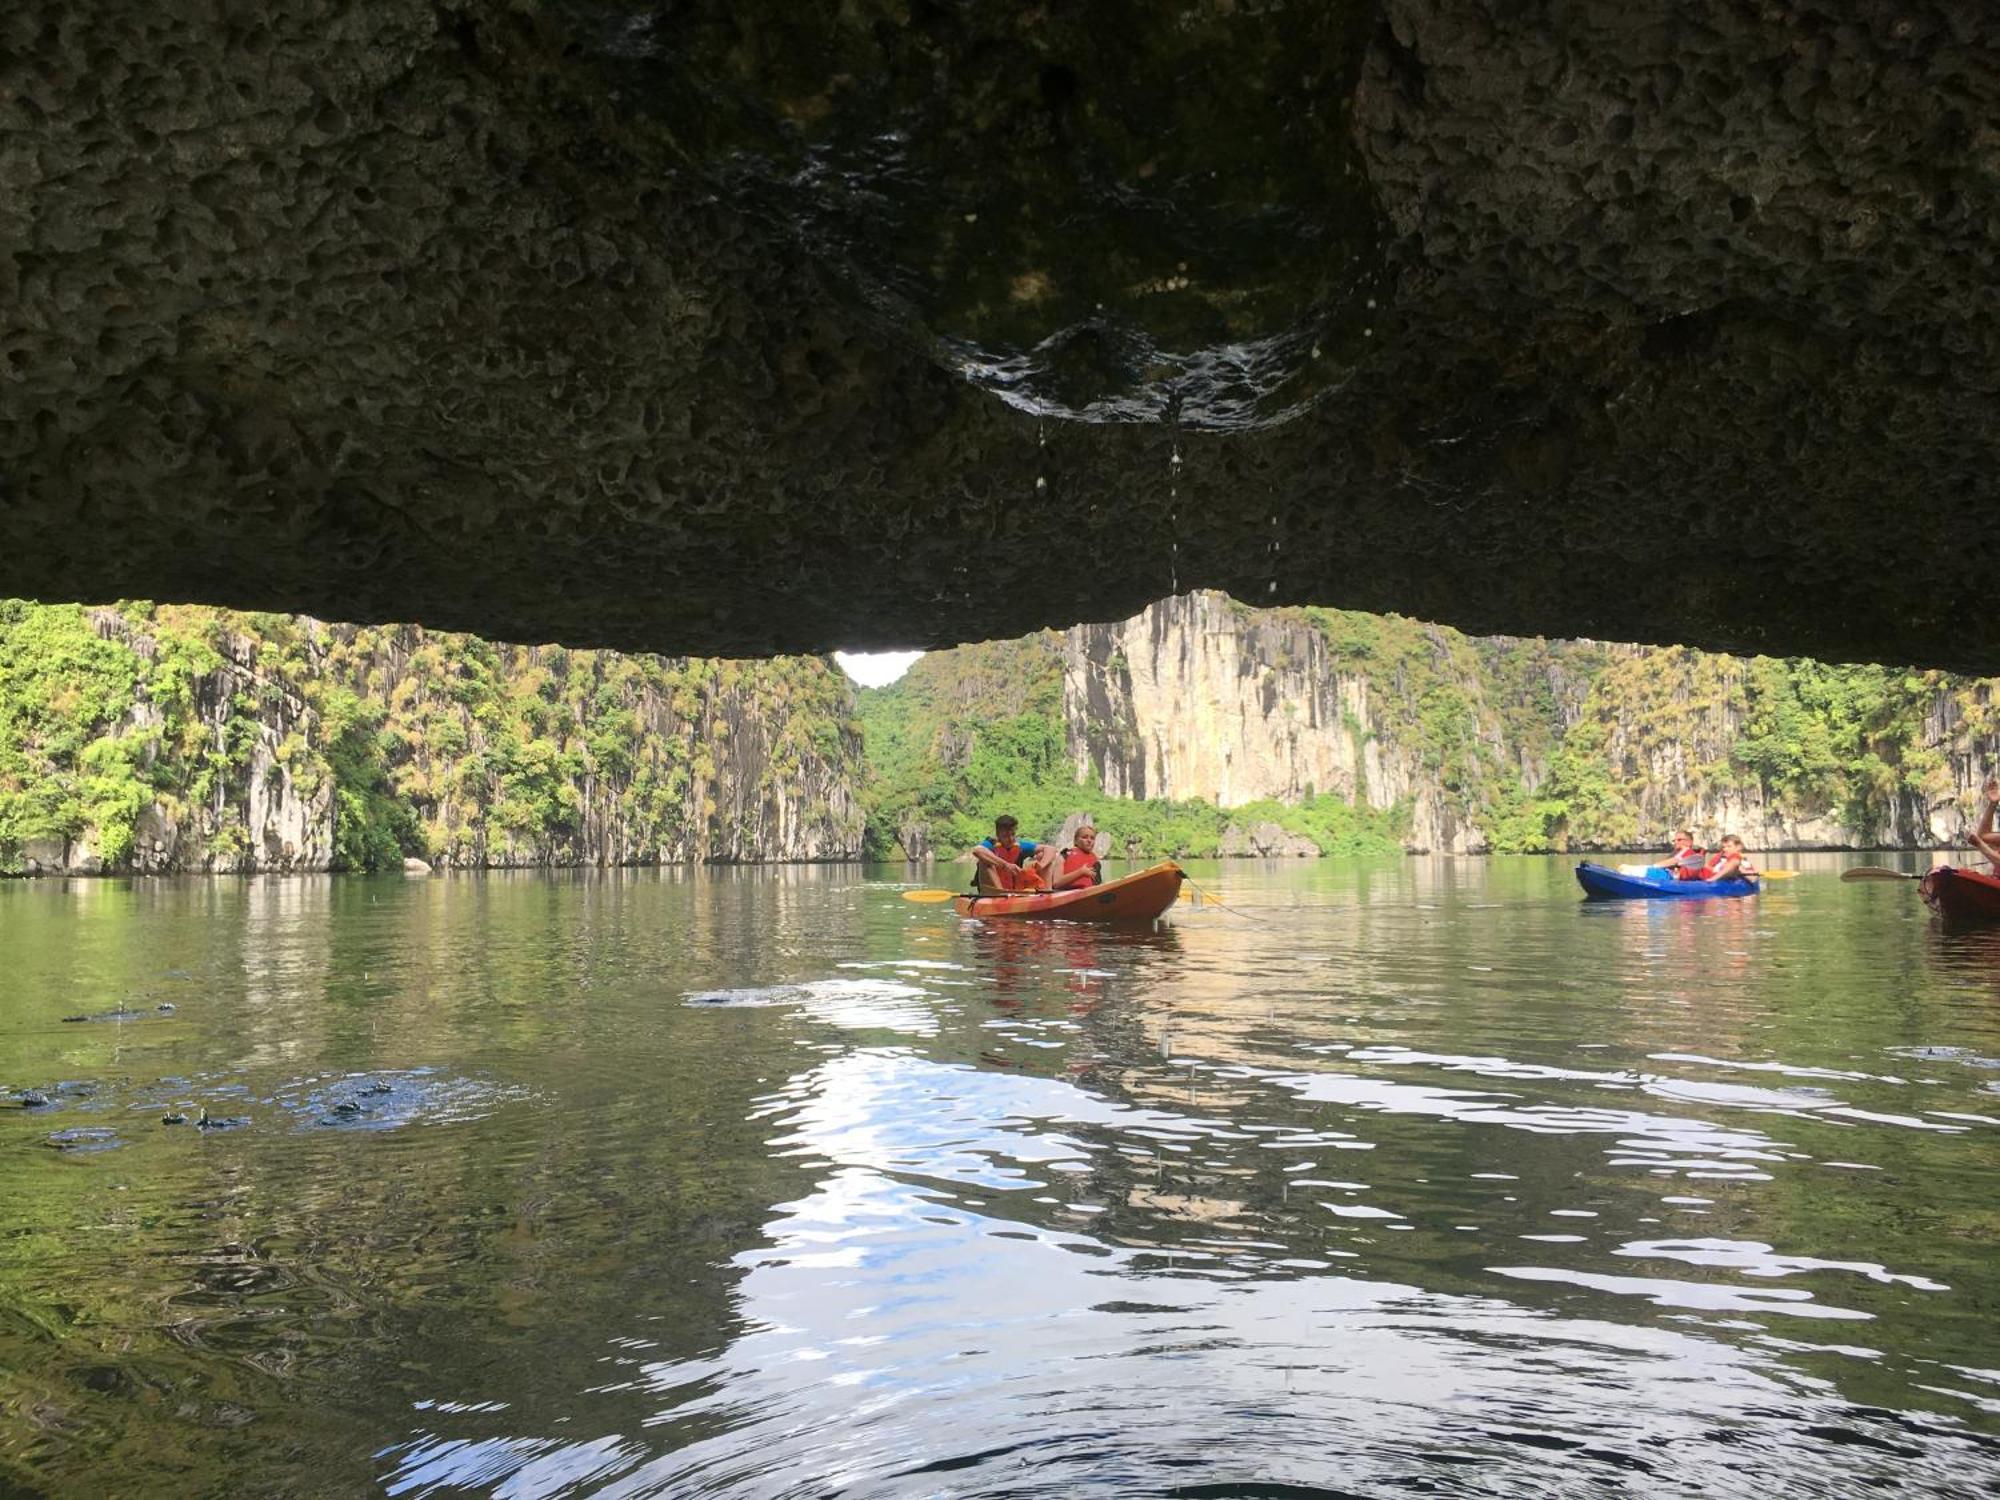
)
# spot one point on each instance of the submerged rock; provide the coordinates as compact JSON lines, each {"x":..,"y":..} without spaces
{"x":390,"y":1101}
{"x":123,"y":1013}
{"x":83,"y":1138}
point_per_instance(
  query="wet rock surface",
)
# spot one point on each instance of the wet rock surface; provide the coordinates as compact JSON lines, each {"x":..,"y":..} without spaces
{"x":731,"y":330}
{"x":83,"y":1140}
{"x":122,"y":1013}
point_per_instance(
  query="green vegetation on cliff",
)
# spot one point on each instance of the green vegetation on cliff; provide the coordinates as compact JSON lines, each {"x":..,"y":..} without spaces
{"x":1629,"y":739}
{"x":158,"y":737}
{"x":1535,"y":745}
{"x":366,"y":745}
{"x":978,"y":730}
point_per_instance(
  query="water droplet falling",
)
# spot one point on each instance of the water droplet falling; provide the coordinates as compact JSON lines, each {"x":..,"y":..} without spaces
{"x":1174,"y":497}
{"x":1272,"y":550}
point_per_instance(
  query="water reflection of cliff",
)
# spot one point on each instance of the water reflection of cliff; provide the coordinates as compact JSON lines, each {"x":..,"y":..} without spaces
{"x":1419,"y":1160}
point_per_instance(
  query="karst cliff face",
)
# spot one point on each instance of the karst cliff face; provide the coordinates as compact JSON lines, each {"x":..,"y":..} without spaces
{"x":156,"y":740}
{"x":1201,"y":697}
{"x":735,"y":329}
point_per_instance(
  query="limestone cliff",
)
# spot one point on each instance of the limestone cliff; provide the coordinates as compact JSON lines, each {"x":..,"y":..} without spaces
{"x":1517,"y":743}
{"x":168,"y":739}
{"x":1199,"y":697}
{"x":1788,"y":754}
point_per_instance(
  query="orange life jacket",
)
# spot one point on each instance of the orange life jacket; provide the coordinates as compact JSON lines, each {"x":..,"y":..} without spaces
{"x":1012,"y":876}
{"x":1076,"y":859}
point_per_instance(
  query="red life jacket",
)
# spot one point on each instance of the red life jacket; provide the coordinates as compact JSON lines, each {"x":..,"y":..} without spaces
{"x":1013,"y":876}
{"x":1679,"y":862}
{"x":1744,"y":870}
{"x":1076,"y":859}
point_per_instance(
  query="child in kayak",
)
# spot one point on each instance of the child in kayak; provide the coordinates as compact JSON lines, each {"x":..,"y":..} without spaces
{"x":1080,"y":866}
{"x":1729,"y":862}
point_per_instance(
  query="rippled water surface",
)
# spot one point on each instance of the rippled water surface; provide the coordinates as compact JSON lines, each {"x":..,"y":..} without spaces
{"x":1401,"y":1177}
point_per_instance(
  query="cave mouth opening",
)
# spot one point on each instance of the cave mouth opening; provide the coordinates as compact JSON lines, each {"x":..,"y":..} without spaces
{"x":875,"y":668}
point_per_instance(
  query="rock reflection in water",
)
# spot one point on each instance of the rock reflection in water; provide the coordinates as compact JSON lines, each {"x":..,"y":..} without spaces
{"x":1423,"y":1179}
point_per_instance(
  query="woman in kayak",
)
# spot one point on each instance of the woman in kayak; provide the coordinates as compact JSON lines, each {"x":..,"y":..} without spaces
{"x":1080,"y":866}
{"x":1729,"y":862}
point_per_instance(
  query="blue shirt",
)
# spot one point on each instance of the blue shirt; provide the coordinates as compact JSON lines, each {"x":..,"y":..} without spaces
{"x":1028,"y":846}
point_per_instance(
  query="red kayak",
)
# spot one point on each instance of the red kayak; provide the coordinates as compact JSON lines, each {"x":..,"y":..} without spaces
{"x":1134,"y":898}
{"x":1961,"y":895}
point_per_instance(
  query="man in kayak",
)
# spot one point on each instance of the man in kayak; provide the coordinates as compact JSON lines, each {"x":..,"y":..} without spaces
{"x":1729,"y":862}
{"x":1688,"y":858}
{"x":1080,"y":866}
{"x":1007,"y":863}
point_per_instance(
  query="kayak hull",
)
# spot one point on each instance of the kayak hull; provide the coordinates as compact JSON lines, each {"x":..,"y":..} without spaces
{"x":1139,"y":897}
{"x":1602,"y":883}
{"x":1960,"y":895}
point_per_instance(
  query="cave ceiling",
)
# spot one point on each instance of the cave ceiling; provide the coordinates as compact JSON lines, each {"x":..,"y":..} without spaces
{"x":757,"y":327}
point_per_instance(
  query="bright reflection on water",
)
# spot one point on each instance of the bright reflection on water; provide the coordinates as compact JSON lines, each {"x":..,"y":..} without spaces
{"x":1399,"y":1177}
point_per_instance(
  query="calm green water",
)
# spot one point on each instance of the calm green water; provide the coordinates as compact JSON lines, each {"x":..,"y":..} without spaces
{"x":1399,"y":1177}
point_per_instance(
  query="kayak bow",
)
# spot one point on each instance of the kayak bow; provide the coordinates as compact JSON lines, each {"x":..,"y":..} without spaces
{"x":1961,"y":895}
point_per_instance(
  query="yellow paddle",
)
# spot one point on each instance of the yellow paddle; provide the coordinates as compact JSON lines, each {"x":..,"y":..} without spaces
{"x":1640,"y":870}
{"x":1876,"y":872}
{"x":936,"y":896}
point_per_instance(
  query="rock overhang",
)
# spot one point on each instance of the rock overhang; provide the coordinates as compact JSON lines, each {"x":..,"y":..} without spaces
{"x":753,"y":328}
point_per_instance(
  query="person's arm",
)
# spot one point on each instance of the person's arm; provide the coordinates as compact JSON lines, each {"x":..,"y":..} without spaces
{"x":1727,"y":869}
{"x":1982,"y":836}
{"x":983,"y":855}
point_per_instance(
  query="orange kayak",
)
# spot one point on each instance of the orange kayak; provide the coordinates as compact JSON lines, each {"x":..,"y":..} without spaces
{"x":1130,"y":898}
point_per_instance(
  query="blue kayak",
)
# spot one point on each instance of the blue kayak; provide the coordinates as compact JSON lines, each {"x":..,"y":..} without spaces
{"x":1602,"y":883}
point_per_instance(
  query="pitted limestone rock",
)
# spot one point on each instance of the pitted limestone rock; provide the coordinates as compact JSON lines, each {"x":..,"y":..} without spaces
{"x":728,"y":329}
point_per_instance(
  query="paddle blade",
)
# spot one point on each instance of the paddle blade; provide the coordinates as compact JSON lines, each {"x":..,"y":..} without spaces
{"x":1876,"y":872}
{"x":928,"y":896}
{"x":1779,"y":874}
